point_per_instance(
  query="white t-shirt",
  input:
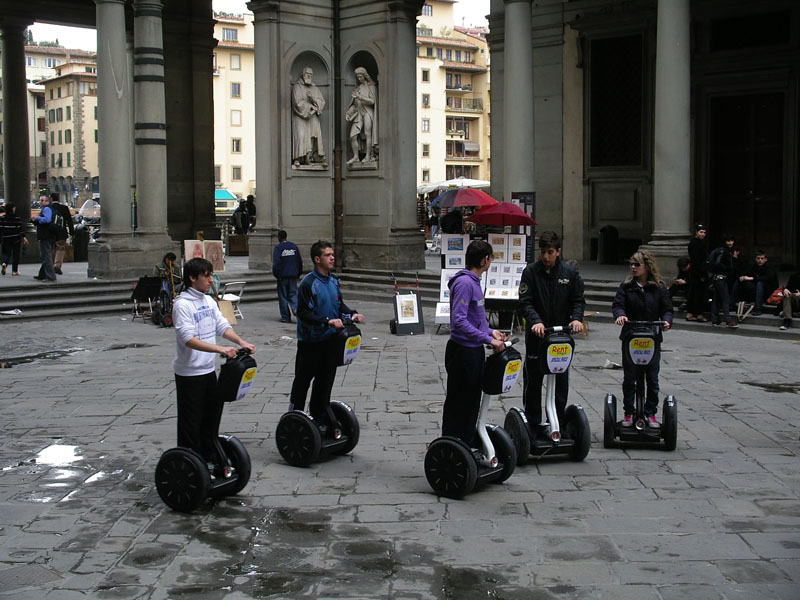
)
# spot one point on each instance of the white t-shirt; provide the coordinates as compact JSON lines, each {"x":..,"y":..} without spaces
{"x":195,"y":315}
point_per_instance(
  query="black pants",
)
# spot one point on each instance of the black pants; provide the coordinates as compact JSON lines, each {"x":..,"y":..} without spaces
{"x":10,"y":253}
{"x":463,"y":400}
{"x":199,"y":414}
{"x":532,"y":378}
{"x":697,"y":296}
{"x":314,"y":361}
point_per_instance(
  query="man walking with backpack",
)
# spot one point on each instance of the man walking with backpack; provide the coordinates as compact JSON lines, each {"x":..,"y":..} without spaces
{"x":61,"y":235}
{"x":719,"y":265}
{"x":45,"y":234}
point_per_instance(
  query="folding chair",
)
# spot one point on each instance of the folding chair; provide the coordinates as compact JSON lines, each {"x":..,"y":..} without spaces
{"x":232,"y":291}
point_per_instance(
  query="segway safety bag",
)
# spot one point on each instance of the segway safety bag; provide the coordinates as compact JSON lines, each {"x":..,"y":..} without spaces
{"x":501,"y":371}
{"x":641,"y":344}
{"x":346,"y":343}
{"x":556,"y":354}
{"x":236,"y":377}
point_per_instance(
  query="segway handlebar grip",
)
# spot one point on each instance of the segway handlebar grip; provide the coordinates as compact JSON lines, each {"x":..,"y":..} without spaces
{"x":646,"y":323}
{"x":557,"y":328}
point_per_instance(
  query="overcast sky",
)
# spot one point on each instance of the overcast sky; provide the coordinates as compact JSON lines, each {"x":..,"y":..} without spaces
{"x":472,"y":12}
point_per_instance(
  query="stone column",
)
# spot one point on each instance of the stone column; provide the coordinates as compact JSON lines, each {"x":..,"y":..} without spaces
{"x":518,"y":146}
{"x":150,"y":135}
{"x":267,"y":132}
{"x":16,"y":154}
{"x":672,"y":173}
{"x":113,"y":124}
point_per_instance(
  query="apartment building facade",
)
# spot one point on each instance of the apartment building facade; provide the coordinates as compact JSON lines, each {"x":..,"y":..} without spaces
{"x":71,"y":131}
{"x":40,"y":64}
{"x":234,"y":107}
{"x":452,"y":97}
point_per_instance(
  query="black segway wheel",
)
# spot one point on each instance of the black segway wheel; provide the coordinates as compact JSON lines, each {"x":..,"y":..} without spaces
{"x":240,"y":461}
{"x":298,"y":438}
{"x":504,"y":449}
{"x":609,"y":421}
{"x":182,"y":479}
{"x":669,"y":422}
{"x":577,"y":428}
{"x":393,"y":326}
{"x":450,"y":468}
{"x":349,"y":424}
{"x":516,"y":426}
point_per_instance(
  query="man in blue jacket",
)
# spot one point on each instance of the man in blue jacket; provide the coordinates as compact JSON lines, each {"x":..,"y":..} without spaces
{"x":320,"y":311}
{"x":46,"y":237}
{"x":287,"y":264}
{"x":464,"y":358}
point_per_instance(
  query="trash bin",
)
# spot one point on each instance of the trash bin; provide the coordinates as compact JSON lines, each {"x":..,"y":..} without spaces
{"x":80,"y":241}
{"x":608,"y":245}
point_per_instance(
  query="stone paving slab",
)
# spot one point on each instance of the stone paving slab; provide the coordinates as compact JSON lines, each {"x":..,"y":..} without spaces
{"x":718,"y":518}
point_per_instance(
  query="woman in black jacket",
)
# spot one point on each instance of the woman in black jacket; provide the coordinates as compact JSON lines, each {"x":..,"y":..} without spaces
{"x":641,"y":297}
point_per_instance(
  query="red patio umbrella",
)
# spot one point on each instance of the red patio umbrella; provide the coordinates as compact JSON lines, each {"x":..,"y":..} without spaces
{"x":502,"y":213}
{"x":463,"y":197}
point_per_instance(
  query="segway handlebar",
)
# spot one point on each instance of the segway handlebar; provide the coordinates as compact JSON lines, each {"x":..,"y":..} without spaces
{"x":507,"y":343}
{"x":239,"y":353}
{"x":646,"y":323}
{"x":557,"y":328}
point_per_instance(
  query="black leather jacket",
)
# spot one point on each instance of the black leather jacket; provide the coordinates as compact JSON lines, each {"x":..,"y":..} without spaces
{"x":554,"y":298}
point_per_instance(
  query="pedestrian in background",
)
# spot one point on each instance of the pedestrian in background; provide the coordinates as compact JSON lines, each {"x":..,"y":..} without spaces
{"x":250,"y":205}
{"x":720,"y":267}
{"x":60,"y":245}
{"x":45,"y":237}
{"x":287,"y":264}
{"x":12,"y":237}
{"x":697,"y":295}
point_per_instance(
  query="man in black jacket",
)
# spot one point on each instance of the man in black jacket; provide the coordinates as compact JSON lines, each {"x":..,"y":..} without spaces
{"x":758,"y":282}
{"x":697,"y":297}
{"x":791,"y":300}
{"x":720,"y":268}
{"x":550,"y":294}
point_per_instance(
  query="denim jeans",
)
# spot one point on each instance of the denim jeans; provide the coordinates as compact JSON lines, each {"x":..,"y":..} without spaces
{"x":287,"y":297}
{"x":45,"y":254}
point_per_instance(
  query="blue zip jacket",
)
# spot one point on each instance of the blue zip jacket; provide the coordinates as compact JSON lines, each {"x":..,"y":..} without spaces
{"x":318,"y":301}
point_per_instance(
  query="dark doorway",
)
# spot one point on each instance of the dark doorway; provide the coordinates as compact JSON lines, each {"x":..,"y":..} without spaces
{"x":746,"y":162}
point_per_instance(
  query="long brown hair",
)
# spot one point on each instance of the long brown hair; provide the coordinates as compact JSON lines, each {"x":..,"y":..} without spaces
{"x":647,"y":259}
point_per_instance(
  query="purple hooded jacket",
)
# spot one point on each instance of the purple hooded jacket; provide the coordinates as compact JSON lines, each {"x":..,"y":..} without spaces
{"x":468,"y":325}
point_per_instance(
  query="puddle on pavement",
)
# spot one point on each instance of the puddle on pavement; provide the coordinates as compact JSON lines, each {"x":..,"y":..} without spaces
{"x":57,"y":455}
{"x":7,"y":363}
{"x":777,"y":388}
{"x":127,"y":346}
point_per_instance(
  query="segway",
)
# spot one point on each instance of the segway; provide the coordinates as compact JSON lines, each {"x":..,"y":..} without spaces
{"x":575,"y":438}
{"x":183,"y":479}
{"x":452,"y":468}
{"x":300,"y":438}
{"x":641,"y":340}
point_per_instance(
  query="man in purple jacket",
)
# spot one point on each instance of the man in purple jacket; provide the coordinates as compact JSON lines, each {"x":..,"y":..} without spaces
{"x":464,"y":357}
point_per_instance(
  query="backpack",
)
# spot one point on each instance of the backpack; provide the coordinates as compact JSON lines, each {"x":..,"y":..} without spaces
{"x":713,"y":260}
{"x":56,"y":224}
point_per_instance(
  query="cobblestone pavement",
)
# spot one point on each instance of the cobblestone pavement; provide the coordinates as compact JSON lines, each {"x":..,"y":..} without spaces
{"x":85,"y":422}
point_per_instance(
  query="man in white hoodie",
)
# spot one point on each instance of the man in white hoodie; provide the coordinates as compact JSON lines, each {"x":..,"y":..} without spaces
{"x":198,"y":322}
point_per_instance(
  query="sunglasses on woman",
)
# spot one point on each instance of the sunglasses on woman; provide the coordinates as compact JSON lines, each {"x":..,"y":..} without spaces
{"x":636,"y":264}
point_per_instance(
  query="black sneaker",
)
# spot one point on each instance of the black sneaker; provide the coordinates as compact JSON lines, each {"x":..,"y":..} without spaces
{"x":787,"y":324}
{"x":58,"y":271}
{"x":732,"y":325}
{"x":715,"y":323}
{"x":37,"y":278}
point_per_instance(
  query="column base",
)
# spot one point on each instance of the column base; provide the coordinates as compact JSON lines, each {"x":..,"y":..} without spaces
{"x":260,"y":244}
{"x":667,"y":250}
{"x":122,"y":256}
{"x":399,"y":250}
